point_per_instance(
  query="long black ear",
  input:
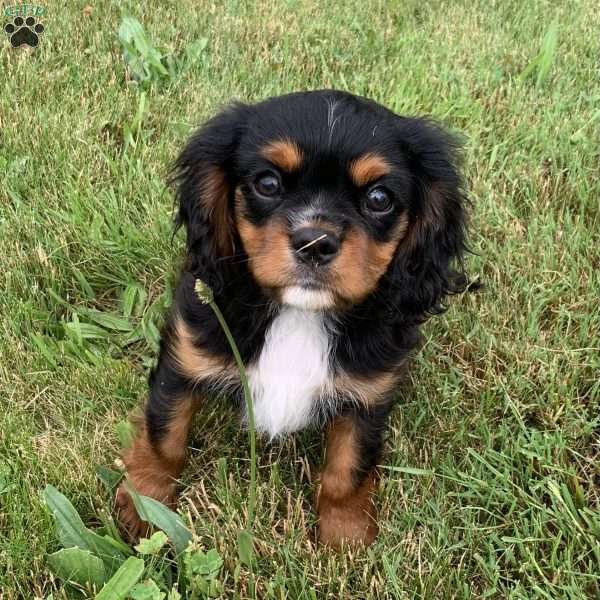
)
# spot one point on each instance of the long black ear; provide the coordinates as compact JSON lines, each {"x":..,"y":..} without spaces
{"x":205,"y":185}
{"x":429,"y":261}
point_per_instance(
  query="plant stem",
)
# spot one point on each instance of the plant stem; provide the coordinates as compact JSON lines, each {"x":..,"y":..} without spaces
{"x":249,"y":409}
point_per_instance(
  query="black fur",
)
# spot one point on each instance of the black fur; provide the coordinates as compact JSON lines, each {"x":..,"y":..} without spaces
{"x":379,"y":333}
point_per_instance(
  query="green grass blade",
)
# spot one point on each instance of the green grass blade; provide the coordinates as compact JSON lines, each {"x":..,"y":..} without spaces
{"x":544,"y":59}
{"x":548,"y":52}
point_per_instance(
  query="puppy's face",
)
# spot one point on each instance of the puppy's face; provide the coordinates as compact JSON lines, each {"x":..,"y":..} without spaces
{"x":324,"y":192}
{"x":320,"y":215}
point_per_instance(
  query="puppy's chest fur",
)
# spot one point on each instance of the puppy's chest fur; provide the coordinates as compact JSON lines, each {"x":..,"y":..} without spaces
{"x":291,"y":380}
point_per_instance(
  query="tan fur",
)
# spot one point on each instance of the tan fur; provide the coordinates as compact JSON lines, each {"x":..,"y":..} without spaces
{"x":346,"y":511}
{"x":362,"y":261}
{"x":354,"y":274}
{"x":368,"y":168}
{"x":214,"y":193}
{"x":342,"y":458}
{"x":153,"y":469}
{"x":284,"y":154}
{"x":196,"y":363}
{"x":173,"y":446}
{"x":268,"y":248}
{"x":367,"y":390}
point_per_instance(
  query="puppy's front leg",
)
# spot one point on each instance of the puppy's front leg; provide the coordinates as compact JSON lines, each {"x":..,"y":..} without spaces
{"x":345,"y":498}
{"x":156,"y":458}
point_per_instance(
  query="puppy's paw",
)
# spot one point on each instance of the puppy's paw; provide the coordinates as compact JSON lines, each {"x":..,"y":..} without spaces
{"x":131,"y":523}
{"x":347,"y":518}
{"x":346,"y":523}
{"x":150,"y":475}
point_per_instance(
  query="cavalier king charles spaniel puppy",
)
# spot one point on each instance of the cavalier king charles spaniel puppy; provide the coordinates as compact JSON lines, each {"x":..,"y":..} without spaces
{"x":329,"y":229}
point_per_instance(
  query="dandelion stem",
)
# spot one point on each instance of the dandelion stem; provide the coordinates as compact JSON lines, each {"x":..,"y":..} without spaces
{"x":205,"y":295}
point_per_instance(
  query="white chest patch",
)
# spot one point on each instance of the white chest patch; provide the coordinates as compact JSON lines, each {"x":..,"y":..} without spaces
{"x":291,"y":373}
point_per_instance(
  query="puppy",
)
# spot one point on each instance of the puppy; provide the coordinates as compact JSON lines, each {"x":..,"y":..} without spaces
{"x":329,"y":228}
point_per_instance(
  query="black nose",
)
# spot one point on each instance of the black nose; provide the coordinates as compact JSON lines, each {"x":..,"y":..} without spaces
{"x":314,"y":245}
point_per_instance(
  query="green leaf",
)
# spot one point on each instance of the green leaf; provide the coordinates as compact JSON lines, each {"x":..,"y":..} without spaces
{"x":142,"y":58}
{"x":44,"y":346}
{"x":151,"y":332}
{"x":70,"y":529}
{"x":85,"y":331}
{"x":107,"y":320}
{"x":109,"y":477}
{"x":206,"y":564}
{"x":245,"y":547}
{"x":78,"y":566}
{"x":153,"y":544}
{"x":128,"y":299}
{"x":164,"y":518}
{"x":134,"y":63}
{"x":84,"y":284}
{"x":133,"y":300}
{"x":194,"y":51}
{"x":106,"y":548}
{"x":146,"y":591}
{"x":73,"y":330}
{"x":121,"y":583}
{"x":112,"y":534}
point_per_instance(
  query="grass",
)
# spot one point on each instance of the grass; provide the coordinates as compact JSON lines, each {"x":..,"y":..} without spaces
{"x":492,"y":486}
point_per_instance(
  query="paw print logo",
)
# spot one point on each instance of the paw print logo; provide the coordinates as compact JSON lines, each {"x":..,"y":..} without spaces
{"x":24,"y":31}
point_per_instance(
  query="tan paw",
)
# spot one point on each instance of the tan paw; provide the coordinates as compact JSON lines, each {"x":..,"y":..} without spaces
{"x":349,"y":519}
{"x":130,"y":521}
{"x":344,"y":524}
{"x":128,"y":516}
{"x":150,"y":475}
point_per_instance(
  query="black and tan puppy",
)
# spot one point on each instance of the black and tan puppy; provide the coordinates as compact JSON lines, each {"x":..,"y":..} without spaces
{"x":329,"y":229}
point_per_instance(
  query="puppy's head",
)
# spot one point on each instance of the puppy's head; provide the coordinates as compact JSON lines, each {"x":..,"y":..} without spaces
{"x":326,"y":199}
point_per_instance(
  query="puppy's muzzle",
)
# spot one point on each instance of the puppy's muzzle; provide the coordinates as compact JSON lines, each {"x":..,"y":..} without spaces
{"x":315,"y":246}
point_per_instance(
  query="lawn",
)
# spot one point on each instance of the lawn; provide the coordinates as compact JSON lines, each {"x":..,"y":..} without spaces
{"x":491,"y":483}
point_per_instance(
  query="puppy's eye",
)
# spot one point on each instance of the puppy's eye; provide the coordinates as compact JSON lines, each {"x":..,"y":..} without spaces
{"x":267,"y":184}
{"x":378,"y":201}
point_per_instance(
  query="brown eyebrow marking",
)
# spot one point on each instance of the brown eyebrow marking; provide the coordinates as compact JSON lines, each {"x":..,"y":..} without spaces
{"x":367,"y":168}
{"x":285,"y":154}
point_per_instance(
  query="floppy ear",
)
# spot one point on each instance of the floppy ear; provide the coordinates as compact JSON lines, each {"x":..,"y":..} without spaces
{"x":205,"y":184}
{"x":428,"y":263}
